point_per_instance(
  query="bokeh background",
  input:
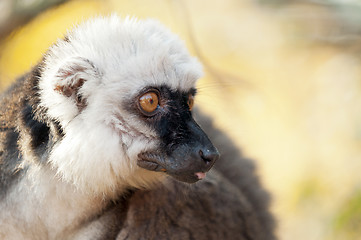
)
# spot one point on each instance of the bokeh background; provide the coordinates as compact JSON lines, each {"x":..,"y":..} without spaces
{"x":283,"y":78}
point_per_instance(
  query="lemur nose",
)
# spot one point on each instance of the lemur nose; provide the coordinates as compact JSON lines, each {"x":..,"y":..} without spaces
{"x":209,"y":156}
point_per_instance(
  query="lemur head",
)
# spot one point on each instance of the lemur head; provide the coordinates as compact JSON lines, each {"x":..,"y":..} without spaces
{"x":122,"y":92}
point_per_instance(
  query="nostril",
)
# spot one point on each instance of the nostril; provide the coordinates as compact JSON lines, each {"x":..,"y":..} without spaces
{"x":206,"y":160}
{"x":209,"y":156}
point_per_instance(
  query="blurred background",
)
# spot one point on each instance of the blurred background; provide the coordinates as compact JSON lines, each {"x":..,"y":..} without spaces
{"x":283,"y":78}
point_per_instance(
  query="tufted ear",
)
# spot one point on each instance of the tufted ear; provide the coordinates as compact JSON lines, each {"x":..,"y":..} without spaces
{"x":71,"y":77}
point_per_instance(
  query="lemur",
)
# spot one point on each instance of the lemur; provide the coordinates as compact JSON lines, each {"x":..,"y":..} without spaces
{"x":99,"y":141}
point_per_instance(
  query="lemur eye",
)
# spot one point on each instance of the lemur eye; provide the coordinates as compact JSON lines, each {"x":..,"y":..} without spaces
{"x":190,"y":101}
{"x":148,"y":103}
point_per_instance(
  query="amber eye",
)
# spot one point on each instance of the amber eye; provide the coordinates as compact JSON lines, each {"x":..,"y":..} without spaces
{"x":190,"y":101}
{"x":148,"y":102}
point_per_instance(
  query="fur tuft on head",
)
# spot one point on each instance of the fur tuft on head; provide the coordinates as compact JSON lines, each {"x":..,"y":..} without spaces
{"x":87,"y":82}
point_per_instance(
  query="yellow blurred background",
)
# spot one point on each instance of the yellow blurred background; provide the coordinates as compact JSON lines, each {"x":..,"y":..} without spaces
{"x":284,"y":80}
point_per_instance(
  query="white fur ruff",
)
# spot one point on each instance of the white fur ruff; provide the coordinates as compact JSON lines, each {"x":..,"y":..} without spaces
{"x":117,"y":59}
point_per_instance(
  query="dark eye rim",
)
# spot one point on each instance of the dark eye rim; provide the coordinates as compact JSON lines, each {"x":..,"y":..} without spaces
{"x":145,"y":113}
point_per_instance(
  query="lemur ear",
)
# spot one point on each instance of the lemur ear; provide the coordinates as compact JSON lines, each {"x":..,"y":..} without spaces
{"x":71,"y":77}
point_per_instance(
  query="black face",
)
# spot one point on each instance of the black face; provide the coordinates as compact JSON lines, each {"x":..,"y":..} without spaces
{"x":185,"y":152}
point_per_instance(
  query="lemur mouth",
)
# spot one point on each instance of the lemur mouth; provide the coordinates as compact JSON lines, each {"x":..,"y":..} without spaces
{"x":150,"y":164}
{"x":157,"y":162}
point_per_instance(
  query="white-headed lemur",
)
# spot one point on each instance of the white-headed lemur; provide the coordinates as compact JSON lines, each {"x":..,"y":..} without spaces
{"x":98,"y":141}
